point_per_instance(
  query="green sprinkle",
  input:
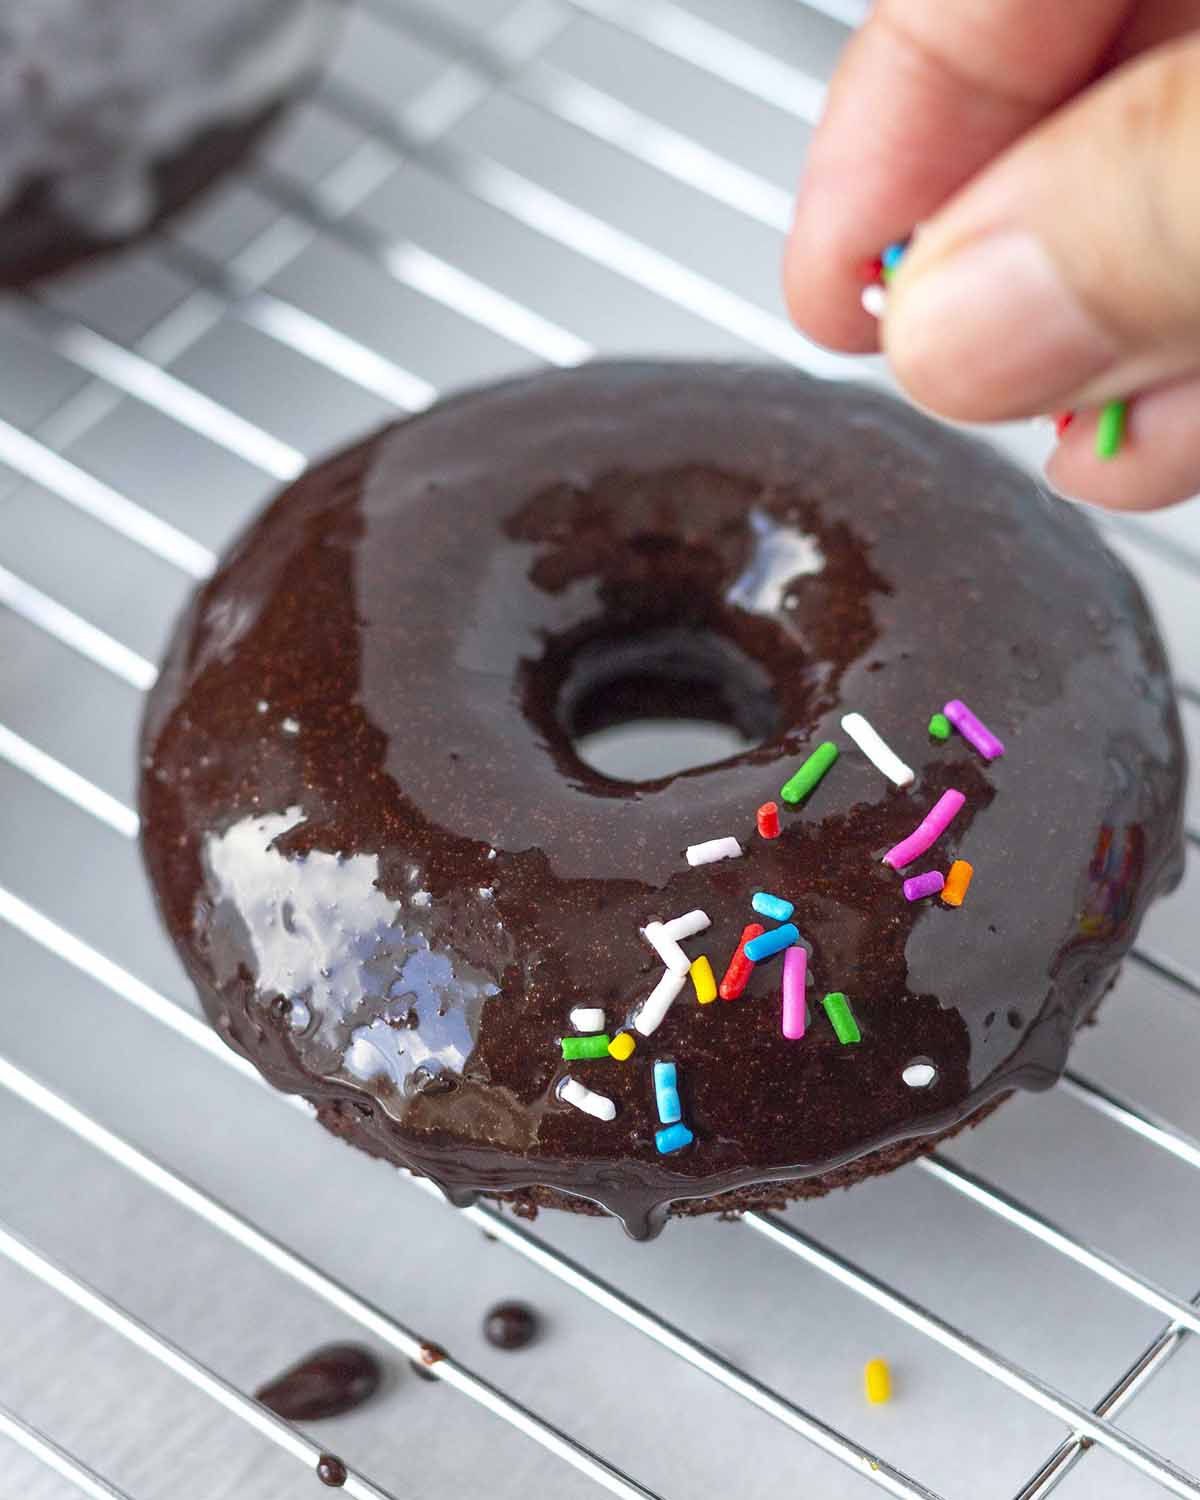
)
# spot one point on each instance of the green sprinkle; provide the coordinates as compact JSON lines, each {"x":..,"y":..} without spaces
{"x":1110,"y":431}
{"x":799,"y":786}
{"x":584,"y":1046}
{"x":842,"y":1017}
{"x":939,"y":727}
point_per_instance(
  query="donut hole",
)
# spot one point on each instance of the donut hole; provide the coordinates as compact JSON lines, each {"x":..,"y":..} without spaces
{"x":920,"y":1073}
{"x":642,"y":707}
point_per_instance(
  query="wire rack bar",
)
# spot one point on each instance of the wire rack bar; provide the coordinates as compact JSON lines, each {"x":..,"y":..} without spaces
{"x":1163,"y":1471}
{"x":84,"y":1296}
{"x":26,"y":757}
{"x":1130,"y":1117}
{"x":331,"y":1291}
{"x":74,"y":631}
{"x":56,"y":1457}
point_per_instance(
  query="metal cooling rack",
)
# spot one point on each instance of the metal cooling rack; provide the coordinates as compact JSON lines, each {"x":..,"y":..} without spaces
{"x":484,"y":185}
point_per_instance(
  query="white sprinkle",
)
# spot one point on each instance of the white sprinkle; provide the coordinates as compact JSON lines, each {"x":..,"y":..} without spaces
{"x":422,"y":898}
{"x":686,"y":926}
{"x":666,"y":947}
{"x":571,"y":1091}
{"x":587,"y":1018}
{"x":874,"y":299}
{"x":919,"y":1075}
{"x":658,"y":1003}
{"x":880,"y":755}
{"x":714,"y":849}
{"x":290,"y":726}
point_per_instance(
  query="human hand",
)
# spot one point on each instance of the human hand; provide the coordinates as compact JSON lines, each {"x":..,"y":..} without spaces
{"x":1051,"y":156}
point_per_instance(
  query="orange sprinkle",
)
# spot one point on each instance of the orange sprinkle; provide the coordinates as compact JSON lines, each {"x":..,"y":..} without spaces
{"x":957,"y":882}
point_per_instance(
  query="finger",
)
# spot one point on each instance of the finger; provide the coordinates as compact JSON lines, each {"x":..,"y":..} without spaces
{"x":1159,"y":460}
{"x":927,"y":93}
{"x":1068,"y":272}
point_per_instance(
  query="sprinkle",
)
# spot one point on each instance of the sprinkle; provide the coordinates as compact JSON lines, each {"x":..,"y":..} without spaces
{"x":801,"y":784}
{"x":587,"y":1018}
{"x":774,"y":907}
{"x":973,"y":730}
{"x":769,"y":943}
{"x":870,"y":270}
{"x":673,"y":1138}
{"x":740,"y":967}
{"x":919,"y":1075}
{"x":928,"y":884}
{"x":842,"y":1018}
{"x":1062,"y":420}
{"x":666,"y":1093}
{"x":666,"y":947}
{"x":957,"y":882}
{"x":927,"y":831}
{"x":939,"y":727}
{"x":704,"y":980}
{"x":575,"y":1047}
{"x":893,"y":254}
{"x":571,"y":1091}
{"x":877,"y":1379}
{"x":795,"y":1006}
{"x":622,"y":1047}
{"x":881,"y":756}
{"x":874,"y":299}
{"x":659,"y":1001}
{"x":714,"y":849}
{"x":686,"y":926}
{"x":1110,"y":430}
{"x":767,"y":818}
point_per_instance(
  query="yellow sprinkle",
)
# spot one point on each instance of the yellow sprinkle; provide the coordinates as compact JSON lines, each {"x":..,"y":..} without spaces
{"x":957,"y":882}
{"x":704,"y":980}
{"x":621,"y":1047}
{"x":878,"y":1380}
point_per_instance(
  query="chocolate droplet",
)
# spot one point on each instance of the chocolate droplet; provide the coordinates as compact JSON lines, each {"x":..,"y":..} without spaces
{"x":331,"y":1380}
{"x":331,"y":1471}
{"x":510,"y":1325}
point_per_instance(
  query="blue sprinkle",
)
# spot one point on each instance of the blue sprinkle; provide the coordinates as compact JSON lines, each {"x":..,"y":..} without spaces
{"x":673,"y":1138}
{"x":894,"y":254}
{"x":666,"y":1091}
{"x":772,"y":942}
{"x":774,"y":907}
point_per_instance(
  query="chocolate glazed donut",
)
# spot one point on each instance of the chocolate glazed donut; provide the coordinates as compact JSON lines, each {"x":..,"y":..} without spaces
{"x":391,"y":877}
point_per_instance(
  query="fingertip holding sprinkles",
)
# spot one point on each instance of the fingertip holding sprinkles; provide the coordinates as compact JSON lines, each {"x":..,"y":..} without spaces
{"x":587,"y":1018}
{"x":775,"y":907}
{"x":957,"y":882}
{"x":877,"y":1381}
{"x":927,"y":831}
{"x":666,"y":1093}
{"x":666,"y":947}
{"x":939,"y":727}
{"x":795,"y":1007}
{"x":799,"y":785}
{"x":973,"y":729}
{"x":767,"y":818}
{"x":767,"y":944}
{"x":877,"y":750}
{"x":659,"y":1001}
{"x":841,"y":1018}
{"x":576,"y":1047}
{"x":704,"y":981}
{"x":740,"y":968}
{"x":708,"y":853}
{"x":622,"y":1047}
{"x":673,"y":1138}
{"x":1110,"y":429}
{"x":919,"y":886}
{"x":599,"y":1106}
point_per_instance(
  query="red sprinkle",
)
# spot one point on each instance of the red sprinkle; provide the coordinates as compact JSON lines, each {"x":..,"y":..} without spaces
{"x":870,"y":270}
{"x":768,"y":820}
{"x":738,"y":973}
{"x":1062,"y":421}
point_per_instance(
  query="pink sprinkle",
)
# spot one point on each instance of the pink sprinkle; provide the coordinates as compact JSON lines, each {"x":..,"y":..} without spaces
{"x":928,"y":884}
{"x":795,"y":969}
{"x":973,"y":729}
{"x":927,"y":832}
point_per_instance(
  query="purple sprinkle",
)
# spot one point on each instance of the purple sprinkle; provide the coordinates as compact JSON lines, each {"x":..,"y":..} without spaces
{"x":972,"y":729}
{"x":928,"y":884}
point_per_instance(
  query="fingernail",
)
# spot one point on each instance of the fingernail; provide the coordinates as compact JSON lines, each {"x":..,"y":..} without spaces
{"x":993,"y":332}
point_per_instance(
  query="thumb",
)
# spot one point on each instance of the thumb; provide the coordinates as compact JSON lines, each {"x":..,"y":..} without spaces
{"x":1068,"y":272}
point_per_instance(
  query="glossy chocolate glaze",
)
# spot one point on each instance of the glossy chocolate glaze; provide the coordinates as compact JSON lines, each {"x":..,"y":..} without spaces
{"x":330,"y":1381}
{"x":360,"y":793}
